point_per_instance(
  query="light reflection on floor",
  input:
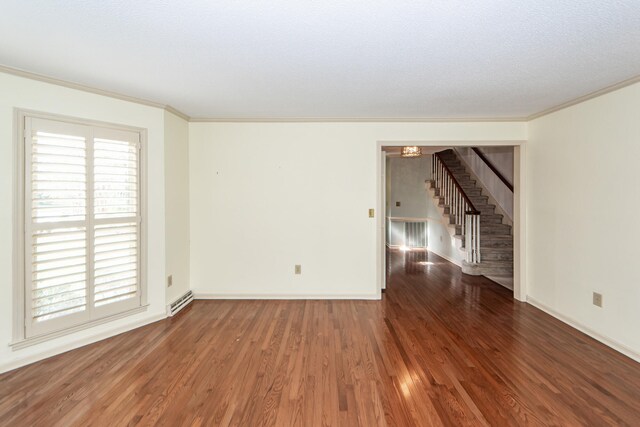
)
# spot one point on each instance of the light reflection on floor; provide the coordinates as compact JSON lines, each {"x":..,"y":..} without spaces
{"x":410,"y":261}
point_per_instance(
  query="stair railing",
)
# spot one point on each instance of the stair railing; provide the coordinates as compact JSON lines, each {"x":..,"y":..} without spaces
{"x":461,"y":209}
{"x":472,"y":237}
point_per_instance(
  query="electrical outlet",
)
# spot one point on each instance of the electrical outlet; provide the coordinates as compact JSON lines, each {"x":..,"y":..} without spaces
{"x":298,"y":269}
{"x":372,"y":213}
{"x":170,"y":281}
{"x":597,"y":299}
{"x":397,"y":204}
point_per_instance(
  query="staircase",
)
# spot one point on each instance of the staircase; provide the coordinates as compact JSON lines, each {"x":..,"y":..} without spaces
{"x":495,"y":238}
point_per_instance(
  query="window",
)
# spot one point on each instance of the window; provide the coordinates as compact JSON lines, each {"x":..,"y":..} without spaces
{"x":82,"y":223}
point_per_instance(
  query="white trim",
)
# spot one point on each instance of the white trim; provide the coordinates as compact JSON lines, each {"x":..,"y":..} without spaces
{"x":584,"y":98}
{"x":356,"y":119}
{"x":89,"y":89}
{"x":615,"y":345}
{"x":448,"y":258}
{"x":207,"y":295}
{"x":445,"y":144}
{"x":143,"y":215}
{"x":519,"y":229}
{"x":20,"y":325}
{"x":170,"y":109}
{"x":27,"y":342}
{"x":24,"y":112}
{"x":412,"y":219}
{"x":18,"y":331}
{"x":80,"y":343}
{"x":381,"y":221}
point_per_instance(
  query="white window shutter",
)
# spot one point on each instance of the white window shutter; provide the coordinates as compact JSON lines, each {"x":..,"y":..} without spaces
{"x":56,"y":262}
{"x":82,"y":224}
{"x":116,"y":204}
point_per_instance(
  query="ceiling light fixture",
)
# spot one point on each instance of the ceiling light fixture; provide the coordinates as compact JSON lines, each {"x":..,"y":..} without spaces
{"x":411,"y":151}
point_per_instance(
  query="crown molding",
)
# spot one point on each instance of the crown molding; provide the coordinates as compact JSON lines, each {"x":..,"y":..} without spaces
{"x":584,"y":98}
{"x":85,"y":88}
{"x":176,"y":112}
{"x":172,"y":110}
{"x":357,"y":120}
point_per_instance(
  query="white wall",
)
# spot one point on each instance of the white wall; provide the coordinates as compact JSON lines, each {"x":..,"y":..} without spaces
{"x":23,"y":93}
{"x":176,"y":154}
{"x":267,"y":196}
{"x":407,"y":185}
{"x":583,"y":198}
{"x":502,"y":159}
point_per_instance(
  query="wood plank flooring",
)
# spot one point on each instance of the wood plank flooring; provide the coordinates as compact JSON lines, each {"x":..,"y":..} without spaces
{"x":439,"y":349}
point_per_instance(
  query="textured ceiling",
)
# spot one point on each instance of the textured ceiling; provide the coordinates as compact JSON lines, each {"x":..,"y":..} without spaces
{"x":330,"y":58}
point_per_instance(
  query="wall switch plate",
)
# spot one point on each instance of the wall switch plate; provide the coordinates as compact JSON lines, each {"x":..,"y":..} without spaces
{"x":372,"y":213}
{"x":397,"y":204}
{"x":170,"y":281}
{"x":298,"y":269}
{"x":597,"y":299}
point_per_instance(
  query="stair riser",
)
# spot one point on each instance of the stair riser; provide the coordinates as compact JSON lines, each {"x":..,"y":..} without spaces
{"x":485,"y":221}
{"x":497,"y":238}
{"x":493,"y":255}
{"x":489,"y":221}
{"x":495,"y":271}
{"x":479,"y":203}
{"x":479,"y":200}
{"x":491,"y":245}
{"x":493,"y":229}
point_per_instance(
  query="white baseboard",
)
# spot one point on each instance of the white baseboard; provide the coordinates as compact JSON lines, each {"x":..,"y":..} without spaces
{"x":207,"y":295}
{"x":448,"y":258}
{"x":621,"y":348}
{"x":5,"y":367}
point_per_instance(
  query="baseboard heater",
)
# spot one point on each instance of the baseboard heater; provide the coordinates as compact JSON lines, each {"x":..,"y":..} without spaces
{"x":179,"y":304}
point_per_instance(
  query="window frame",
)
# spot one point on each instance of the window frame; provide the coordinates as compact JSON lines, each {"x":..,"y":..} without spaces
{"x":20,"y":337}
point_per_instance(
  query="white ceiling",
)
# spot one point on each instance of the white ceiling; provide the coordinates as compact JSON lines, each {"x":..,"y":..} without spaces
{"x":330,"y":58}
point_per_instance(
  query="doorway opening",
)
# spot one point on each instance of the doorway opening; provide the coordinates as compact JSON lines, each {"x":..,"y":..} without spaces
{"x":455,"y":202}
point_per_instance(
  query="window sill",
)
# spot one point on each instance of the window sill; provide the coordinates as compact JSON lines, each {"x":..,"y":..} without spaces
{"x":27,"y":342}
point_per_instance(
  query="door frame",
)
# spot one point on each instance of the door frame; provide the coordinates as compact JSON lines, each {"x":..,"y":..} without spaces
{"x":519,"y":205}
{"x":382,"y":224}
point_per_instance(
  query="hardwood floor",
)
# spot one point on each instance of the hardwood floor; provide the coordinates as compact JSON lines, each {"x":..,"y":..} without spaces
{"x":439,"y":349}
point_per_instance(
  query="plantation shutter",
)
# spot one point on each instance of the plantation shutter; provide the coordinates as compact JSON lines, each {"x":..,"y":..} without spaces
{"x":82,"y":224}
{"x":116,"y":225}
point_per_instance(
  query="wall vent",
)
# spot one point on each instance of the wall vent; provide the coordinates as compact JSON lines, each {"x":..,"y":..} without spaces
{"x":179,"y":304}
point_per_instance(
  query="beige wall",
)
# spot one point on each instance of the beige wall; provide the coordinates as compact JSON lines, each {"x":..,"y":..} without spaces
{"x":24,"y":93}
{"x":176,"y":154}
{"x":272,"y":195}
{"x":583,"y":197}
